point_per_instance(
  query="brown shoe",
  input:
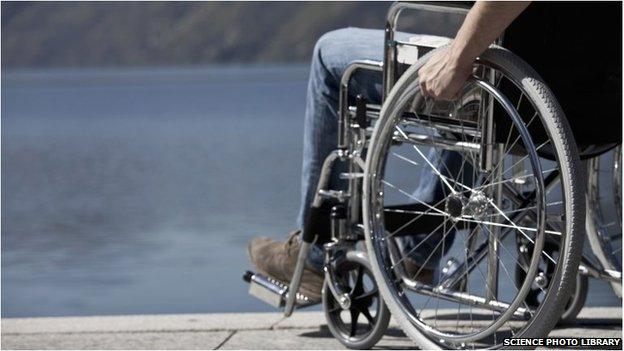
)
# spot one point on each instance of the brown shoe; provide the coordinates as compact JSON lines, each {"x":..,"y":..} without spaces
{"x":278,"y":261}
{"x":418,"y":273}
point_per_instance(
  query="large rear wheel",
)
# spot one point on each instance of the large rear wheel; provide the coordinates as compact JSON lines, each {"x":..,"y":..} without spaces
{"x":500,"y":162}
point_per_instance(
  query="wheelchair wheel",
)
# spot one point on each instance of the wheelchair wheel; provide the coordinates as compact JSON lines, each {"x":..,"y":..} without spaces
{"x":449,"y":186}
{"x":366,"y":305}
{"x":604,"y":211}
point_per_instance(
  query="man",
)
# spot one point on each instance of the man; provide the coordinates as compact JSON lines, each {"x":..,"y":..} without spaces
{"x":442,"y":78}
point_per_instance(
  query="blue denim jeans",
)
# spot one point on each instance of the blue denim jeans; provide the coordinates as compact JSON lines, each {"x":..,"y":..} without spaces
{"x":333,"y":52}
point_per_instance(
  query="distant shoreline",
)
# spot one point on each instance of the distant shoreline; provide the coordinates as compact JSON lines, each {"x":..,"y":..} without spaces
{"x":25,"y":76}
{"x":153,"y":68}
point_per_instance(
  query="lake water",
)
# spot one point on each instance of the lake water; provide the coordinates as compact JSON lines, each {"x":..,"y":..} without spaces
{"x":136,"y":191}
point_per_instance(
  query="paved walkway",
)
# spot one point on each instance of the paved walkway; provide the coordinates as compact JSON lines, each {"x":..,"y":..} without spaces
{"x":304,"y":330}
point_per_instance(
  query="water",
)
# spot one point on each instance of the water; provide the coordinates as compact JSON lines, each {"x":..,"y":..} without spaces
{"x":136,"y":191}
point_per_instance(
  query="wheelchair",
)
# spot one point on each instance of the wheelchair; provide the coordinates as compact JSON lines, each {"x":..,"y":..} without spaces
{"x":506,"y":234}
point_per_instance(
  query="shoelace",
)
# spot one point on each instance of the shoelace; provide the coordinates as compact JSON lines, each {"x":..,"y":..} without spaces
{"x":292,"y":239}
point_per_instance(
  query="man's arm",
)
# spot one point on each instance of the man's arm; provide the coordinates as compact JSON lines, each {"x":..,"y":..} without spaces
{"x":445,"y":73}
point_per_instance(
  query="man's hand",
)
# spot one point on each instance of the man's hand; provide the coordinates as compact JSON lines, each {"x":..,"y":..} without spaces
{"x":446,"y":72}
{"x":443,"y":75}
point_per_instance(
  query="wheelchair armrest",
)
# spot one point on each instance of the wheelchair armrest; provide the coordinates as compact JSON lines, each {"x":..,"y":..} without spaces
{"x":440,"y":7}
{"x":417,"y":46}
{"x":390,"y":45}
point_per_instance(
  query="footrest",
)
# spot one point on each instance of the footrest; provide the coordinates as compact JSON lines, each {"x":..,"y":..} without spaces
{"x":272,"y":291}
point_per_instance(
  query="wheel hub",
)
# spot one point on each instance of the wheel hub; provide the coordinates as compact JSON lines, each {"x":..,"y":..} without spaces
{"x":454,"y":206}
{"x":478,"y":205}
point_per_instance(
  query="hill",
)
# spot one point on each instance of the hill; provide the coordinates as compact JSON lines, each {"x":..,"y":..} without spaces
{"x":78,"y":34}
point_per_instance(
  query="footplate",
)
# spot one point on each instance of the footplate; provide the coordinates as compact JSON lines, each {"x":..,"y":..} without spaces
{"x":272,"y":291}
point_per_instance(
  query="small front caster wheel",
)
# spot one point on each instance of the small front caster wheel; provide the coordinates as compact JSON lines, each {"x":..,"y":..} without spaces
{"x":365,"y":321}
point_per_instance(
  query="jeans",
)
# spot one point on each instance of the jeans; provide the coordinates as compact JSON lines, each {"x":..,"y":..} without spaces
{"x":333,"y":52}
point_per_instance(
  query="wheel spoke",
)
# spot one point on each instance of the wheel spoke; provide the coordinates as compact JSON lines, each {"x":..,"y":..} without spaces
{"x":520,"y":230}
{"x":506,"y":153}
{"x":358,"y":284}
{"x":422,"y":213}
{"x":335,"y":308}
{"x":420,"y":243}
{"x":366,"y":313}
{"x":510,"y":180}
{"x":427,"y":261}
{"x":354,"y":318}
{"x":428,"y":212}
{"x":367,"y":298}
{"x":510,"y":202}
{"x":438,"y":153}
{"x":401,"y":157}
{"x":435,"y":170}
{"x":517,"y":263}
{"x":517,"y":162}
{"x":413,"y":198}
{"x":513,"y":226}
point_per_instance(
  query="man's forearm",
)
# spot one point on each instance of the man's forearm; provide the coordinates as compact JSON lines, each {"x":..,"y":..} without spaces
{"x":484,"y":23}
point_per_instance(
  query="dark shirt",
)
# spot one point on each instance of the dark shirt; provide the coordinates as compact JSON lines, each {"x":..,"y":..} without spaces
{"x":576,"y":47}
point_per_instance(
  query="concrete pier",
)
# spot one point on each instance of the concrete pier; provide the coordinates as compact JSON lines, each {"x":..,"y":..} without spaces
{"x":304,"y":330}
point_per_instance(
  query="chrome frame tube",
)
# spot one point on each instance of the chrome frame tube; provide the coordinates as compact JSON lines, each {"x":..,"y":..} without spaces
{"x":588,"y":269}
{"x":495,"y":231}
{"x":467,"y":130}
{"x":372,"y":112}
{"x":348,"y":143}
{"x":343,"y":102}
{"x":487,"y":130}
{"x":304,"y":249}
{"x":341,"y":296}
{"x":461,"y":297}
{"x":353,"y":214}
{"x":448,"y":144}
{"x":342,"y":152}
{"x":326,"y":170}
{"x":295,"y":282}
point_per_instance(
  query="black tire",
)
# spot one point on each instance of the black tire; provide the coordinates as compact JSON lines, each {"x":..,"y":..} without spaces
{"x":374,"y":331}
{"x":565,"y":150}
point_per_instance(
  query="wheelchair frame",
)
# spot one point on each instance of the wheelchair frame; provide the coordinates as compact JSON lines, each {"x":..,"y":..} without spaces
{"x":353,"y":134}
{"x":352,"y":141}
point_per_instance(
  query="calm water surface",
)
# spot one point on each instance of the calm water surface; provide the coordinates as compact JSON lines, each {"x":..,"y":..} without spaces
{"x":136,"y":191}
